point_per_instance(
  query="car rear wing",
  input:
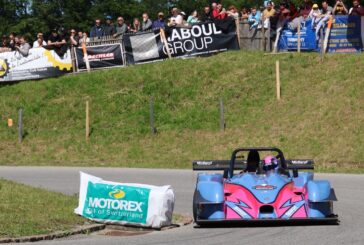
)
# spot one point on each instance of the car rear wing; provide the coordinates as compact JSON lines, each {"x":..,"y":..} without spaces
{"x":216,"y":165}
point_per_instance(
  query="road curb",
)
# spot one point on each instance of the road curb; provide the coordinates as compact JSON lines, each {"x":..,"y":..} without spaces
{"x":80,"y":230}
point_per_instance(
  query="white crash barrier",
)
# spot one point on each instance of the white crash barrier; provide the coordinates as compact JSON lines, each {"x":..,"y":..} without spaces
{"x":125,"y":203}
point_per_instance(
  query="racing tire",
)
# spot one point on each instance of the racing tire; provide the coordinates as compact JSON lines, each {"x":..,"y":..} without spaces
{"x":194,"y":206}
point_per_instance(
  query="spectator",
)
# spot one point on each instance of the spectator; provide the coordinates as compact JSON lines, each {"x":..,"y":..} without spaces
{"x":268,"y":13}
{"x":80,"y":36}
{"x":4,"y":44}
{"x":357,"y":9}
{"x":159,"y":23}
{"x":136,"y":26}
{"x":325,"y":15}
{"x":24,"y":47}
{"x":193,"y":18}
{"x":219,"y":13}
{"x":146,"y":22}
{"x":16,"y":43}
{"x":97,"y":31}
{"x":121,"y":28}
{"x":12,"y":41}
{"x":184,"y":21}
{"x":233,"y":12}
{"x":109,"y":28}
{"x":57,"y":42}
{"x":74,"y":39}
{"x":266,"y":2}
{"x":176,"y":18}
{"x":315,"y":15}
{"x":254,"y":18}
{"x":244,"y":14}
{"x":206,"y":15}
{"x":40,"y":41}
{"x":339,"y":8}
{"x":84,"y":38}
{"x":306,"y":9}
{"x":283,"y":16}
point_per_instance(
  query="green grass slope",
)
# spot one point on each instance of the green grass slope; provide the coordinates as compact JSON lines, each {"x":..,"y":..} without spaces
{"x":320,"y":116}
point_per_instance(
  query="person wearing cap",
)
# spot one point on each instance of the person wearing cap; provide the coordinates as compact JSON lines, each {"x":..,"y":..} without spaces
{"x":176,"y":18}
{"x":40,"y":41}
{"x":357,"y":9}
{"x":109,"y":28}
{"x":97,"y":31}
{"x":121,"y":28}
{"x":146,"y":22}
{"x":315,"y":15}
{"x":159,"y":23}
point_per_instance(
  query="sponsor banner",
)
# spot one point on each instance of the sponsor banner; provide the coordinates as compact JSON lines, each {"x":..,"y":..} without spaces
{"x":122,"y":203}
{"x":100,"y":56}
{"x":289,"y":38}
{"x":142,"y":47}
{"x":199,"y":39}
{"x":346,"y":35}
{"x":40,"y":63}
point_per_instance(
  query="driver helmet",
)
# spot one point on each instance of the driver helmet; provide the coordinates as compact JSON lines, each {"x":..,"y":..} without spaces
{"x":270,"y":163}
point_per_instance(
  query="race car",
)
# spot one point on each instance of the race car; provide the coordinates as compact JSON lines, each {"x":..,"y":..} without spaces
{"x":251,"y":189}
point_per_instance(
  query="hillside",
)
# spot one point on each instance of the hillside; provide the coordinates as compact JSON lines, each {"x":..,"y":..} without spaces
{"x":320,"y":116}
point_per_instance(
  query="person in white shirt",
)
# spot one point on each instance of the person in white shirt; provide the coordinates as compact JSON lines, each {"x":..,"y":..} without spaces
{"x":40,"y":41}
{"x":176,"y":18}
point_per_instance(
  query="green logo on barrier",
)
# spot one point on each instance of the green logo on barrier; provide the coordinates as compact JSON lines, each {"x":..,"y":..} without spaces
{"x":116,"y":203}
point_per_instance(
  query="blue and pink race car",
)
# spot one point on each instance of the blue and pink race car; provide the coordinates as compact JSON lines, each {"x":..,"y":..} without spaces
{"x":252,"y":189}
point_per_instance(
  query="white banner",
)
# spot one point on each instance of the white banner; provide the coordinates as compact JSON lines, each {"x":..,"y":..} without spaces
{"x":125,"y":203}
{"x":39,"y":63}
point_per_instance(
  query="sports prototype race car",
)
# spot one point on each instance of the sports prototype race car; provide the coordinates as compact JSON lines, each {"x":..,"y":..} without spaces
{"x":255,"y":190}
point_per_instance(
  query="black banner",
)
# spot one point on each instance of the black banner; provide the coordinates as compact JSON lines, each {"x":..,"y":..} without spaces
{"x":199,"y":39}
{"x":106,"y":55}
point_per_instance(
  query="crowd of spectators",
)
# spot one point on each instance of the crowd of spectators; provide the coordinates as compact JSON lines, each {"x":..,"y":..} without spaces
{"x":268,"y":15}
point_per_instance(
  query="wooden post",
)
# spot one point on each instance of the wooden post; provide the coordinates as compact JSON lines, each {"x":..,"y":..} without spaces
{"x":87,"y":121}
{"x":263,"y":36}
{"x":299,"y":38}
{"x":278,"y":81}
{"x":20,"y":126}
{"x":237,"y":24}
{"x":165,"y":42}
{"x":222,"y":116}
{"x":73,"y":58}
{"x":151,"y":116}
{"x":322,"y":44}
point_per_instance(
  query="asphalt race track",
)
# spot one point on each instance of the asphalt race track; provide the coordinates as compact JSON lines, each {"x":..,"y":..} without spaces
{"x":350,"y":207}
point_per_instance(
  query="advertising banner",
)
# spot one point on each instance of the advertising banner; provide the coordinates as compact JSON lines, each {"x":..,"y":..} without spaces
{"x":198,"y":39}
{"x":39,"y":63}
{"x":346,"y":35}
{"x":289,"y":38}
{"x":100,"y":56}
{"x":122,"y":203}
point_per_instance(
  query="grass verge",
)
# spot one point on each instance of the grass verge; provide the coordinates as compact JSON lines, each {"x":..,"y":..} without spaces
{"x":26,"y":211}
{"x":320,"y":115}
